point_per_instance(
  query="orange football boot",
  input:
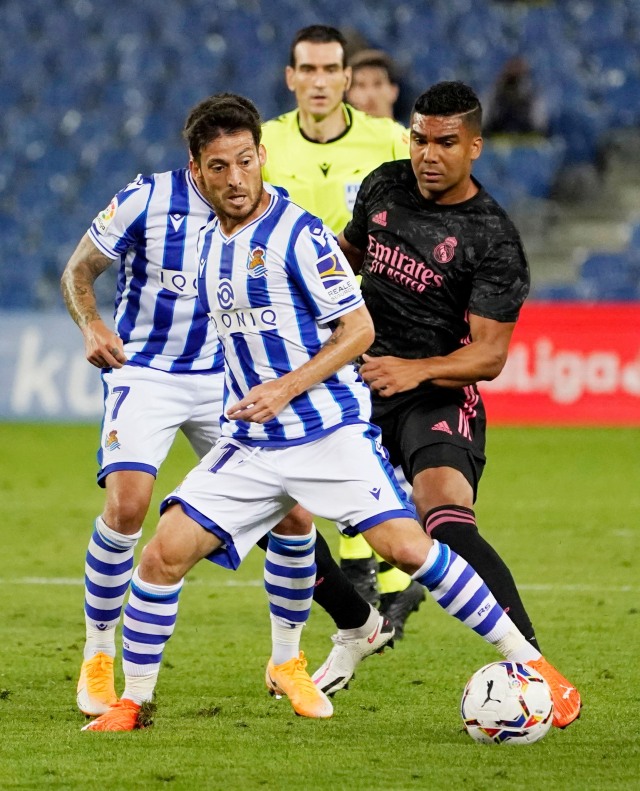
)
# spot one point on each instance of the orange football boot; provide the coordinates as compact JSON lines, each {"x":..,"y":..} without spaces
{"x":122,"y":716}
{"x":566,"y":698}
{"x":291,"y":679}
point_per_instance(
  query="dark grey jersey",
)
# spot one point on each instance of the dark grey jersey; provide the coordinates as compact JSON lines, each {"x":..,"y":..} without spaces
{"x":428,"y":266}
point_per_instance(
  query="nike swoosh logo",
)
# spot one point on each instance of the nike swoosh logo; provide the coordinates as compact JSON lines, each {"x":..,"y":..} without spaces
{"x":374,"y":635}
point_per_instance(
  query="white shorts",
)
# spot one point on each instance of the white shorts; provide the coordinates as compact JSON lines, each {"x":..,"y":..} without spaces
{"x":239,"y":492}
{"x":143,"y":410}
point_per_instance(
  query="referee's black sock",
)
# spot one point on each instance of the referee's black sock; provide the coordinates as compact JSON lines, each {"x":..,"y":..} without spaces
{"x":455,"y":526}
{"x":333,"y":591}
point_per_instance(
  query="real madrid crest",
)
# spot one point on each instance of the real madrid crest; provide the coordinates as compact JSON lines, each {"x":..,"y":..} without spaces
{"x":444,"y":252}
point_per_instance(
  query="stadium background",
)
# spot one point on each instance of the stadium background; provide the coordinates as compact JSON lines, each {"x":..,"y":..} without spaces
{"x":92,"y":94}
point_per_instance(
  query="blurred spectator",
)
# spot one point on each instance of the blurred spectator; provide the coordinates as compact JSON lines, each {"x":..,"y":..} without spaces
{"x":374,"y":83}
{"x":515,"y":106}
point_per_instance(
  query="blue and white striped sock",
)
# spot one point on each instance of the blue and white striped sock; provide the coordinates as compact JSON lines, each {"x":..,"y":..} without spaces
{"x":149,"y":620}
{"x":289,"y":578}
{"x":107,"y":573}
{"x":462,"y":593}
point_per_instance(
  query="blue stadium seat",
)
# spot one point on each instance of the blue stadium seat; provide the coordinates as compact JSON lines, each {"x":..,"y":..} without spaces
{"x":556,"y":292}
{"x":536,"y":165}
{"x":634,"y":239}
{"x":610,"y":276}
{"x":581,"y":125}
{"x":96,"y":97}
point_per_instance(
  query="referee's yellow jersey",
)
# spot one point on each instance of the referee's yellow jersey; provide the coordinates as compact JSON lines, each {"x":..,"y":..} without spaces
{"x":324,"y":178}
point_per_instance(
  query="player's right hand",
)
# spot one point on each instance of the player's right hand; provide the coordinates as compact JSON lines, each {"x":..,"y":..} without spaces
{"x":103,"y":348}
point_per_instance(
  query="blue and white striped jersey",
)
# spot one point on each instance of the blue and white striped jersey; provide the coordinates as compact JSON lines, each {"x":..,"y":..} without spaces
{"x":273,"y":290}
{"x":152,"y":226}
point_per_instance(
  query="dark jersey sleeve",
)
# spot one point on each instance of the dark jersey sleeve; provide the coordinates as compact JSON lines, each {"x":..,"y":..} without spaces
{"x":501,"y":282}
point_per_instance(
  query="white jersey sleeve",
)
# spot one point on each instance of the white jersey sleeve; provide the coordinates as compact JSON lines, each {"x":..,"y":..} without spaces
{"x":114,"y":230}
{"x":320,"y":269}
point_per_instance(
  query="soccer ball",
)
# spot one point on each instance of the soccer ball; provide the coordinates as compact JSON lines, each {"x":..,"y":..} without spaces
{"x":506,"y":703}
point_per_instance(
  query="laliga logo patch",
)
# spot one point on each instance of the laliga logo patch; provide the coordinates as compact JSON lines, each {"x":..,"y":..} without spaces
{"x":103,"y":220}
{"x":444,"y":252}
{"x":111,"y":441}
{"x":255,"y":263}
{"x":224,"y":294}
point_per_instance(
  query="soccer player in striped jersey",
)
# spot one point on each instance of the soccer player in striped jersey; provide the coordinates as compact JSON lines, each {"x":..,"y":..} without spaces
{"x":320,"y":153}
{"x":162,"y":370}
{"x":291,"y":319}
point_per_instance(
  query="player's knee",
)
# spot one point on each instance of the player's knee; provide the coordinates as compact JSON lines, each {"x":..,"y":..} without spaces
{"x":157,"y":564}
{"x":125,"y":514}
{"x":297,"y":522}
{"x":410,"y":550}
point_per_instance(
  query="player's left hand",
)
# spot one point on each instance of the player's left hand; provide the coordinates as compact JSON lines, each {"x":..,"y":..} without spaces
{"x":391,"y":375}
{"x":262,"y":403}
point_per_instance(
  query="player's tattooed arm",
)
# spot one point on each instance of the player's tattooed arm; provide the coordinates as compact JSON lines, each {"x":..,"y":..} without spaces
{"x":80,"y":273}
{"x":103,"y":347}
{"x":336,"y":335}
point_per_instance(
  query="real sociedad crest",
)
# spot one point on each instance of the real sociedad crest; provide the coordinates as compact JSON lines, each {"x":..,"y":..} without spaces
{"x":256,"y":264}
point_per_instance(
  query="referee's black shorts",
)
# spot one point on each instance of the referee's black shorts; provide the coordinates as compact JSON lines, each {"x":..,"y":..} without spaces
{"x":441,"y":428}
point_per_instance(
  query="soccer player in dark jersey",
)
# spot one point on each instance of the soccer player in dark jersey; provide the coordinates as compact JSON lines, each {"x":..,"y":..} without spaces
{"x":444,"y":275}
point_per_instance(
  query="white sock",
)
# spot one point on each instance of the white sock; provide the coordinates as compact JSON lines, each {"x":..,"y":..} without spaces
{"x":139,"y":689}
{"x":367,"y":627}
{"x":285,"y":640}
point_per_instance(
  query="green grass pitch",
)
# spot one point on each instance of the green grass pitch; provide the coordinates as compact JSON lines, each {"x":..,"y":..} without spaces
{"x":561,"y":505}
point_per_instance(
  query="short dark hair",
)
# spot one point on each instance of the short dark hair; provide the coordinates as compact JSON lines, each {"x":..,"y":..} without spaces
{"x":317,"y":34}
{"x":220,"y":114}
{"x":451,"y":98}
{"x":374,"y":59}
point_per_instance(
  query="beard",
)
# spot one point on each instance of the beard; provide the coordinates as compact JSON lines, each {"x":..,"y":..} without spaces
{"x":227,"y":211}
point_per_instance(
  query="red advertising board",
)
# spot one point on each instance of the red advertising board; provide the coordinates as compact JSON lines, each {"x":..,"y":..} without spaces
{"x":570,"y":364}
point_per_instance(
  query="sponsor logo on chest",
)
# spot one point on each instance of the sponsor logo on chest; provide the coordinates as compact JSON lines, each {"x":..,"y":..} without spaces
{"x":181,"y":283}
{"x":244,"y":320}
{"x":229,"y":319}
{"x":394,"y":264}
